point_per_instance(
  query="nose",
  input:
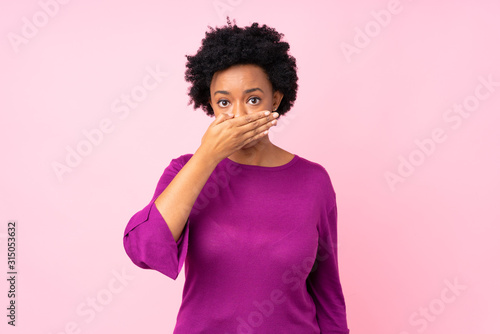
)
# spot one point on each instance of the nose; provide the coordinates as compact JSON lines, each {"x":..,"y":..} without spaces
{"x":240,"y":109}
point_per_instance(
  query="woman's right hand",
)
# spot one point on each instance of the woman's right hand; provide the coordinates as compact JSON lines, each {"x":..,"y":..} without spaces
{"x":227,"y":133}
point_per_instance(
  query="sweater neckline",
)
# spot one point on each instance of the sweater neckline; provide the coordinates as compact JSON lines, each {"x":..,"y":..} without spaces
{"x":263,"y":168}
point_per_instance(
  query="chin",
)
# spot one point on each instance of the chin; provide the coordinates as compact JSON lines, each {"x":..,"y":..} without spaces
{"x":254,"y":143}
{"x":250,"y":145}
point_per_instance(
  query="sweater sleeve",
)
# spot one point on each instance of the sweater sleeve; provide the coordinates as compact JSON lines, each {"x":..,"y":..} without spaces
{"x":323,"y":282}
{"x":148,"y":241}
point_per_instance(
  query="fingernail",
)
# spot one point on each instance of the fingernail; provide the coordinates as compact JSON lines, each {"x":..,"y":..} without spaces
{"x":267,"y":112}
{"x":275,"y":114}
{"x":230,"y":114}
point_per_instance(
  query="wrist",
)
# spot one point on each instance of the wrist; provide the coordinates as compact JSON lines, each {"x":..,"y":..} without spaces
{"x":206,"y":158}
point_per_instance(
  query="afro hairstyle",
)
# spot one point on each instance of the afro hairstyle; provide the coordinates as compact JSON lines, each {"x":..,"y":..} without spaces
{"x":231,"y":45}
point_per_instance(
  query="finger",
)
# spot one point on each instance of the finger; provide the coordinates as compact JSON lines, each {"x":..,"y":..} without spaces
{"x":257,"y":132}
{"x":248,"y":118}
{"x":222,"y":117}
{"x":268,"y":120}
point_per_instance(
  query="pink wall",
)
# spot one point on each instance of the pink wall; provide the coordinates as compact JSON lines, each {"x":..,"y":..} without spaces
{"x":399,"y":100}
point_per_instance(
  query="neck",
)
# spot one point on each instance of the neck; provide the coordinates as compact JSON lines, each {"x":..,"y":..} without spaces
{"x":262,"y":153}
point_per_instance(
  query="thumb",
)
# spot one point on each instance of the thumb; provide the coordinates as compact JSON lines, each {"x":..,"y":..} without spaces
{"x":222,"y":117}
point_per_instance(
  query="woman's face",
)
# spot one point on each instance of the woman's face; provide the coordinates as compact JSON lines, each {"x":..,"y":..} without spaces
{"x":242,"y":89}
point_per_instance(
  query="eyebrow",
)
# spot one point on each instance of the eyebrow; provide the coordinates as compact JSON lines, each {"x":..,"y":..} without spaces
{"x":246,"y":91}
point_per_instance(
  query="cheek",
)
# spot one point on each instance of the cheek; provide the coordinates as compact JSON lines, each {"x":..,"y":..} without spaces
{"x":268,"y":104}
{"x":261,"y":106}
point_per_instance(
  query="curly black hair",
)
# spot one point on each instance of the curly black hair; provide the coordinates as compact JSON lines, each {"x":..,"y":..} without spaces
{"x":231,"y":45}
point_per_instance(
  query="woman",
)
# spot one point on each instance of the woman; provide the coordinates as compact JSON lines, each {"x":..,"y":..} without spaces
{"x":255,"y":225}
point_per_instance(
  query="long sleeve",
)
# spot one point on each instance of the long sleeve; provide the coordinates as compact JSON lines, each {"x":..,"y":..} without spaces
{"x":323,"y":282}
{"x":148,"y":240}
{"x":262,"y":248}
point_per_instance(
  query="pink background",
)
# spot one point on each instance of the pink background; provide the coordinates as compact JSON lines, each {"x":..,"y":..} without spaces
{"x":401,"y":246}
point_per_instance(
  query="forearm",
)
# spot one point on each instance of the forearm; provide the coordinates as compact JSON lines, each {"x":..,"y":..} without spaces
{"x":177,"y":200}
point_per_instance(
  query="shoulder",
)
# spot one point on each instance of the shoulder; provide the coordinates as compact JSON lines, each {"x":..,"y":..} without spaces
{"x":171,"y":170}
{"x":183,"y":159}
{"x":318,"y":176}
{"x":314,"y":169}
{"x":177,"y":163}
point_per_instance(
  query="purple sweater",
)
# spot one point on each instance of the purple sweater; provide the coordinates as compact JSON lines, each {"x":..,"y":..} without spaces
{"x":259,"y":249}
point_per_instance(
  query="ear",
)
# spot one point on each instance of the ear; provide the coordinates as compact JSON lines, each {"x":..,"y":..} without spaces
{"x":277,"y":97}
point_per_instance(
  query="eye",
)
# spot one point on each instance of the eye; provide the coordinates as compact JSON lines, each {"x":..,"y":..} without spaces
{"x":255,"y":99}
{"x":221,"y":104}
